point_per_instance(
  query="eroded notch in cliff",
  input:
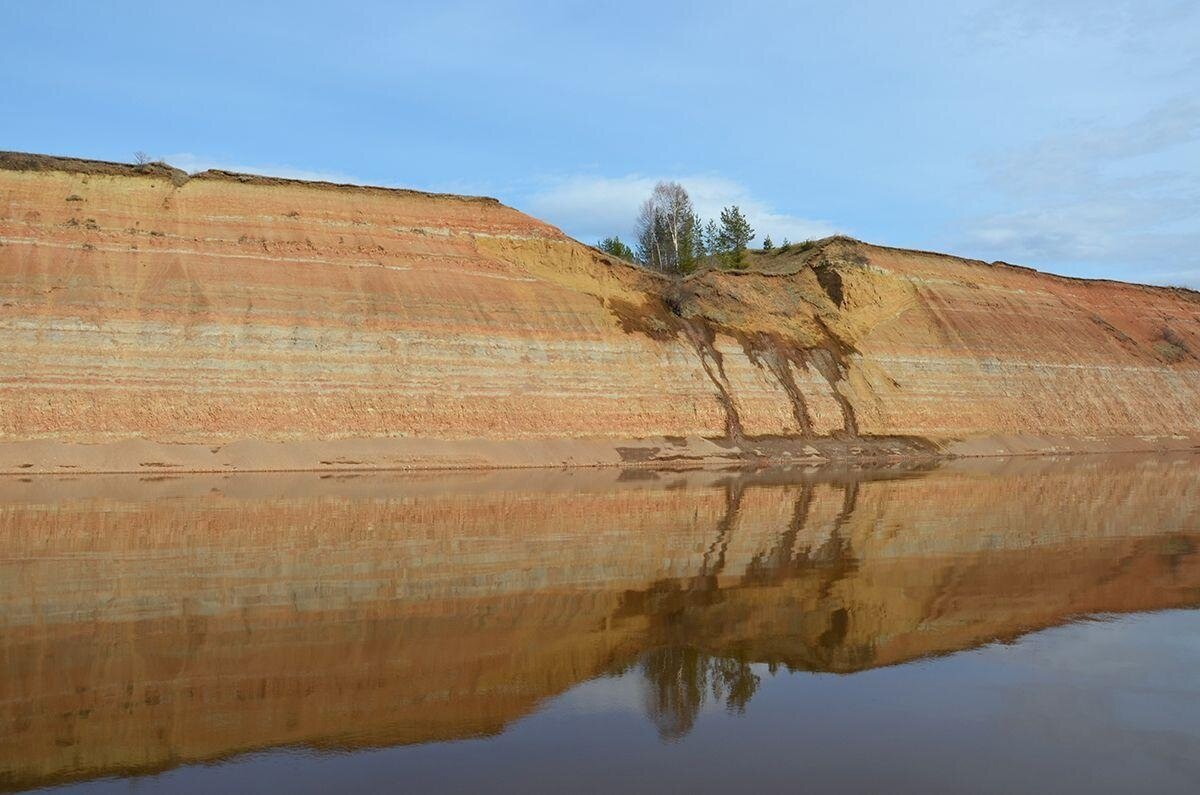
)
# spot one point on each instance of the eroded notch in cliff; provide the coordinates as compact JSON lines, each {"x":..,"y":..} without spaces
{"x":831,"y":282}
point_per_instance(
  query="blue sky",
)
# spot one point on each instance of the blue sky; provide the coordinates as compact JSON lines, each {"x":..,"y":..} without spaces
{"x":1064,"y":135}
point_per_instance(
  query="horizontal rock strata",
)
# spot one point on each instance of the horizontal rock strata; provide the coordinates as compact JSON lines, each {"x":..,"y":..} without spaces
{"x":150,"y":320}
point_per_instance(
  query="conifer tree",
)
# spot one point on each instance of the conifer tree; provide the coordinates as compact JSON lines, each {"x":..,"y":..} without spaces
{"x":735,"y":234}
{"x":712,"y":237}
{"x":617,"y":248}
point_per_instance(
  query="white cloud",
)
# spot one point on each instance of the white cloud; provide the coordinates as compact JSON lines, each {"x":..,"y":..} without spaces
{"x":194,"y":163}
{"x":593,"y":207}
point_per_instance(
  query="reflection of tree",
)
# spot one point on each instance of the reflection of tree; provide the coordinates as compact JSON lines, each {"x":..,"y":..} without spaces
{"x":680,"y":679}
{"x":686,"y":615}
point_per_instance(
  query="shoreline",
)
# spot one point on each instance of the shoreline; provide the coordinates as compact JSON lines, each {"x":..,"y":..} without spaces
{"x":404,"y":454}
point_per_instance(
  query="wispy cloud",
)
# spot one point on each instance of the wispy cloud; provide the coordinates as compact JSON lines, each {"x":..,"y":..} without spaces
{"x":1084,"y":157}
{"x":1131,"y":24}
{"x":1124,"y":195}
{"x":193,"y":163}
{"x":591,"y":207}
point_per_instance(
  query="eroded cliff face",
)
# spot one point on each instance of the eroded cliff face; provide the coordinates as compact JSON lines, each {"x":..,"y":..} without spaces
{"x":152,"y":622}
{"x":154,"y":320}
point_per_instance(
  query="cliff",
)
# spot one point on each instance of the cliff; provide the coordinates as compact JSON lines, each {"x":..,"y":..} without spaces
{"x":154,"y":320}
{"x":151,"y":622}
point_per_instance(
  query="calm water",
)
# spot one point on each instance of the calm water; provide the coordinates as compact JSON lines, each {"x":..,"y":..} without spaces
{"x":990,"y":626}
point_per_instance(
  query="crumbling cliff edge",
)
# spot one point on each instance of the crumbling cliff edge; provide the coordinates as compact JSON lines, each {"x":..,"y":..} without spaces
{"x":152,"y":320}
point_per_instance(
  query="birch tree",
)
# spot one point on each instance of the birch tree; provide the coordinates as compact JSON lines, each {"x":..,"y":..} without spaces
{"x":667,"y":229}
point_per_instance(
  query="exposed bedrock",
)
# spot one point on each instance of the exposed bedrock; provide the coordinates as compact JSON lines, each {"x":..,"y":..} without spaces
{"x":150,"y":320}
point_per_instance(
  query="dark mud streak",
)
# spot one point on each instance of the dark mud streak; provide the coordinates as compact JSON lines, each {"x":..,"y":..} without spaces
{"x":779,"y":364}
{"x":666,"y":602}
{"x":785,"y":548}
{"x":831,"y":358}
{"x":702,"y":342}
{"x":776,"y":565}
{"x":656,"y":321}
{"x":837,"y":549}
{"x":834,"y":371}
{"x":714,"y":556}
{"x":777,"y":354}
{"x":849,"y":505}
{"x":826,"y":364}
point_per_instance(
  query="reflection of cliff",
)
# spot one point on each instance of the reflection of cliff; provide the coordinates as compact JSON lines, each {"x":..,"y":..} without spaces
{"x":148,"y":623}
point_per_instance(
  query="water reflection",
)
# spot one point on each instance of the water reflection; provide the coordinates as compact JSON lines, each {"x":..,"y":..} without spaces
{"x":680,"y":679}
{"x":148,"y":623}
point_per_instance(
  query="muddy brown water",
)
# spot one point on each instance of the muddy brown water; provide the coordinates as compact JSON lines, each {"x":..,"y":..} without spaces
{"x":993,"y":625}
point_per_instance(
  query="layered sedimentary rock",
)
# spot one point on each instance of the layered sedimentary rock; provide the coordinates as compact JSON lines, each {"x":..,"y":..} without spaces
{"x":152,"y":622}
{"x":153,"y":320}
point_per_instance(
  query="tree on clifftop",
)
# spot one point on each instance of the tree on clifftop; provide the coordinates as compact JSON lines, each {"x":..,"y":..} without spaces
{"x":614,"y":246}
{"x":712,"y":238}
{"x":666,"y":229}
{"x":736,"y":233}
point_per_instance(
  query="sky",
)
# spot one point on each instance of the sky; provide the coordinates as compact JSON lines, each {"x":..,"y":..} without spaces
{"x":1062,"y":135}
